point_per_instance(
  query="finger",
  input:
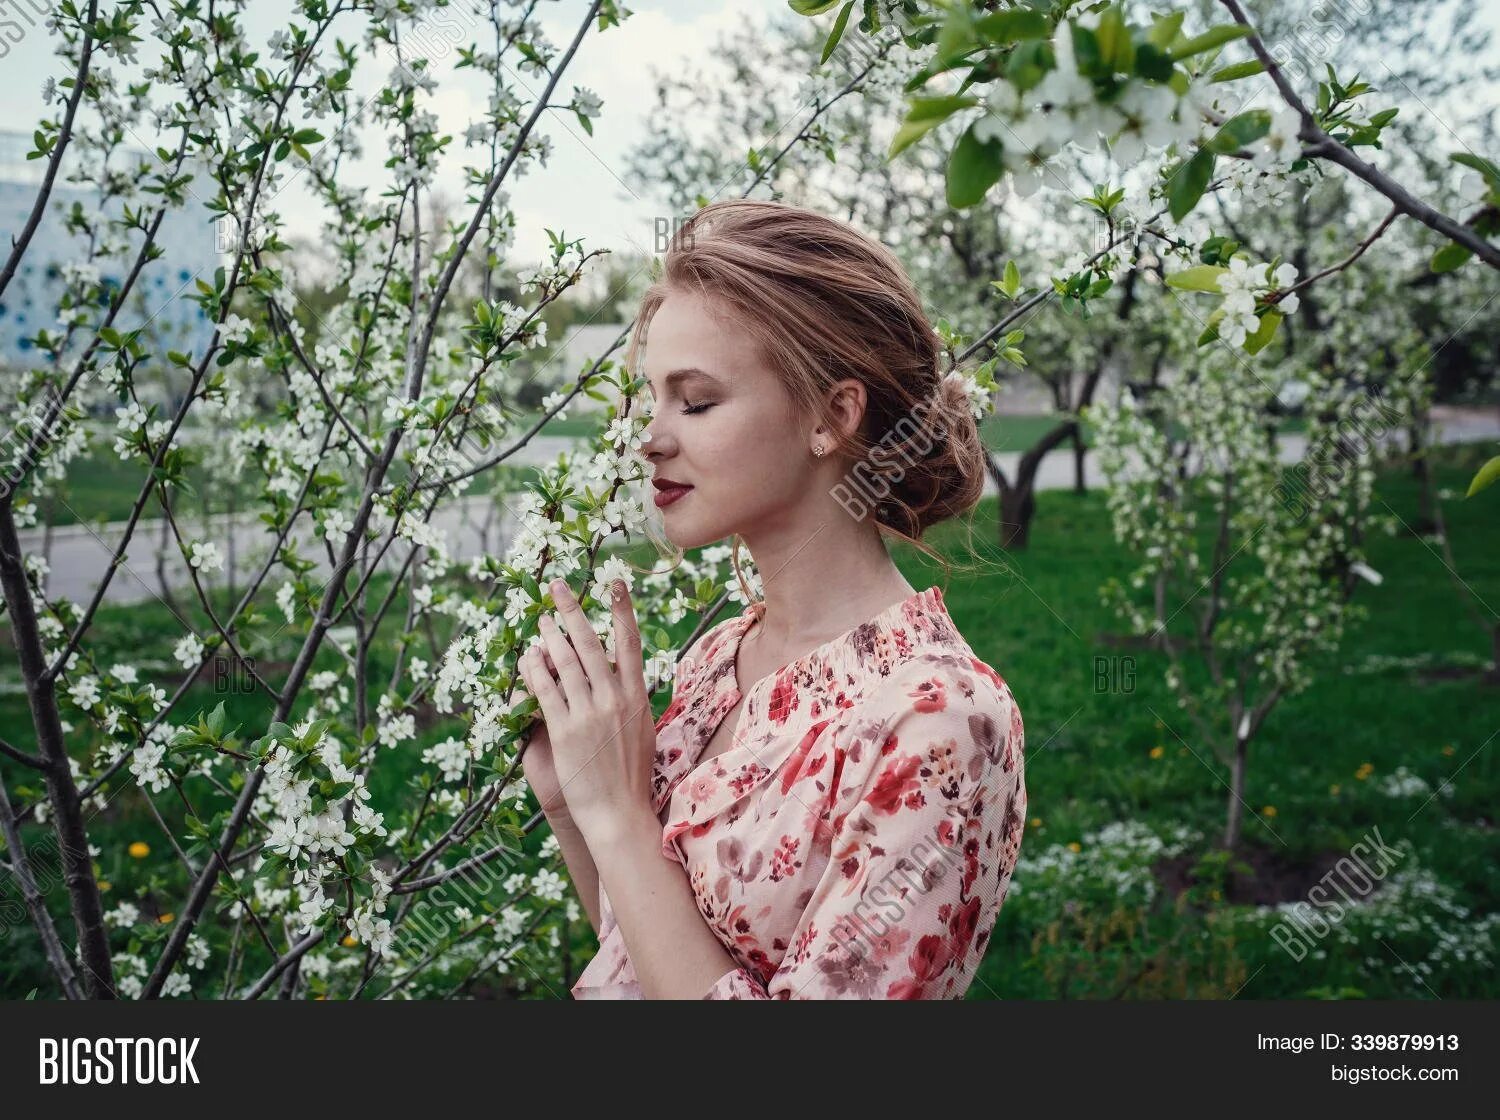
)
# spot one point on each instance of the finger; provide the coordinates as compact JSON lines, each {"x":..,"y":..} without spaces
{"x":628,"y":657}
{"x":575,"y":683}
{"x":539,"y":683}
{"x":586,"y":644}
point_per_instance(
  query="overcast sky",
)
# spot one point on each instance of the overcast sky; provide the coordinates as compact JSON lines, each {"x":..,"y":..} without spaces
{"x":583,"y":191}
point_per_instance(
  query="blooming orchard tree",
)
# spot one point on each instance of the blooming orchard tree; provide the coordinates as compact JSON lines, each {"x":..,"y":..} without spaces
{"x":1246,"y":565}
{"x":1089,"y":183}
{"x":1165,"y":115}
{"x":354,"y":820}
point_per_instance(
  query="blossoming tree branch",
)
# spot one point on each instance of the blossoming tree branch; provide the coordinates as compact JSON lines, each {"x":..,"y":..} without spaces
{"x":1248,"y":566}
{"x":306,"y":843}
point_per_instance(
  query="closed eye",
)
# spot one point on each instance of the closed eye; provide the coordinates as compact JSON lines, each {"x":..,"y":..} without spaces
{"x":694,"y":409}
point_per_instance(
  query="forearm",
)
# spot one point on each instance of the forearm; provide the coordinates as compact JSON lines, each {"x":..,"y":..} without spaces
{"x":674,"y":953}
{"x":581,"y":868}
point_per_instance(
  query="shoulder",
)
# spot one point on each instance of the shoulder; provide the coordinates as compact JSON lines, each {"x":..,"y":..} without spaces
{"x":949,"y":682}
{"x":939,"y":710}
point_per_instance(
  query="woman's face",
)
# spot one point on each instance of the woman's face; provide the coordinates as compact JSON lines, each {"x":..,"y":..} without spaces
{"x":723,"y":425}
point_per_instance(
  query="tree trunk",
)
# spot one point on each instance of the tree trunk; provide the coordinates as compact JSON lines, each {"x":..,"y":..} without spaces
{"x":1421,"y":470}
{"x":1018,"y":500}
{"x":62,"y":793}
{"x":1236,"y":796}
{"x":1017,"y":508}
{"x":1080,"y":467}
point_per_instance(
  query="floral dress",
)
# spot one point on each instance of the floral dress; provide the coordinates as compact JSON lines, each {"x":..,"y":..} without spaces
{"x":858,"y":838}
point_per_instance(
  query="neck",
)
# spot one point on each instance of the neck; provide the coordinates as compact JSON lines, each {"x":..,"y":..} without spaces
{"x":821,"y":577}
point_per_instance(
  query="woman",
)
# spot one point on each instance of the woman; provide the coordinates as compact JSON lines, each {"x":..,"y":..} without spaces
{"x":837,"y":784}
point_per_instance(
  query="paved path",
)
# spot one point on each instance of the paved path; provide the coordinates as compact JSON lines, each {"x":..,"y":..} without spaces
{"x":474,"y":526}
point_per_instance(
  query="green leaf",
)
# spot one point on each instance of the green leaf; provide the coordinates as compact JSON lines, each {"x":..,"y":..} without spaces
{"x":1164,"y":30}
{"x":1488,"y":475}
{"x":1481,"y":165}
{"x":1237,"y":132}
{"x":1212,"y":38}
{"x":1011,"y":281}
{"x":1237,"y":71}
{"x":1088,"y":55}
{"x":1211,"y":328}
{"x":1450,"y":257}
{"x":925,"y":114}
{"x":1153,"y":64}
{"x":1032,"y":59}
{"x":973,"y":168}
{"x":1115,"y":47}
{"x":838,"y":31}
{"x":1258,"y":341}
{"x":811,"y":7}
{"x":1013,"y":26}
{"x":1189,"y":182}
{"x":1199,"y":278}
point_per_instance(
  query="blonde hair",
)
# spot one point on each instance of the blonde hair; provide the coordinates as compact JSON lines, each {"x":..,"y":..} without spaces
{"x":824,"y":303}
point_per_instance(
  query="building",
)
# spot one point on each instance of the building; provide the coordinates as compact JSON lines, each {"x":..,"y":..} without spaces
{"x":161,"y":298}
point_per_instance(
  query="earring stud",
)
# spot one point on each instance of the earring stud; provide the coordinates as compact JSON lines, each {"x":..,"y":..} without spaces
{"x":818,"y":450}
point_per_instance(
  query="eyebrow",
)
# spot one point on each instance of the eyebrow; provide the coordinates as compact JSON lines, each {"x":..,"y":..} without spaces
{"x":684,"y":374}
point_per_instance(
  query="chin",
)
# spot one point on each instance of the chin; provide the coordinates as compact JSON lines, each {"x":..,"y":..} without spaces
{"x":688,"y":532}
{"x":687,"y":537}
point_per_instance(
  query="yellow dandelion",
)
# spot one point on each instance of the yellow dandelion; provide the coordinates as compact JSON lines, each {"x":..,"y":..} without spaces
{"x":139,"y":850}
{"x":1158,"y":751}
{"x":1215,"y":895}
{"x":349,"y":941}
{"x":1364,"y":771}
{"x":1448,"y":750}
{"x":1075,"y":846}
{"x":165,"y":918}
{"x":1036,"y":822}
{"x":104,"y":885}
{"x":1268,"y":811}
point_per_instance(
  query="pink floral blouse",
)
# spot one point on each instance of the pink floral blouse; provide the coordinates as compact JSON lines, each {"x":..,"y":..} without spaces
{"x":858,"y":839}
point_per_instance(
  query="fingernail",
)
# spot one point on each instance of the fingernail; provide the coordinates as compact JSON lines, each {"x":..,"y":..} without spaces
{"x":559,"y":586}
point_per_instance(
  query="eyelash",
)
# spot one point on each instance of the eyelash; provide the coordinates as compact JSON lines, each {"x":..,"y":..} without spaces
{"x":694,"y":409}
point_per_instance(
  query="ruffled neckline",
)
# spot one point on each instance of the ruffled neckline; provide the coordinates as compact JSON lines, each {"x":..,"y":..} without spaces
{"x":855,"y":660}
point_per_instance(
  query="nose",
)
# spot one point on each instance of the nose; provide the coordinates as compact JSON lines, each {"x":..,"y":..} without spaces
{"x":655,"y":442}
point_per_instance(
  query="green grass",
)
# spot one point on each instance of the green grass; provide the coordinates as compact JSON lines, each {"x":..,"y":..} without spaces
{"x":1017,"y":433}
{"x":1036,"y":617}
{"x":1089,"y":752}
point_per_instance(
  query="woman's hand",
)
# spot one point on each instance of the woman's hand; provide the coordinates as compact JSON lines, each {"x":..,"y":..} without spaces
{"x":599,"y":722}
{"x":541,"y":774}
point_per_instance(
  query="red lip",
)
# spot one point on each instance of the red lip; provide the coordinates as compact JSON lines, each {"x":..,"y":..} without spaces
{"x":668,"y":491}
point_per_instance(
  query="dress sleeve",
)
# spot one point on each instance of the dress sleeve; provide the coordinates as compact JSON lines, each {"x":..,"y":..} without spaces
{"x":926,"y":830}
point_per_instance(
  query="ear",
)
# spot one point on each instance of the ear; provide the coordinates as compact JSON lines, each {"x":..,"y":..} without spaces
{"x":847,"y":401}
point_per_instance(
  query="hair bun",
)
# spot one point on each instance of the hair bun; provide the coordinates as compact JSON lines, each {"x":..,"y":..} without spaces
{"x":823,"y":302}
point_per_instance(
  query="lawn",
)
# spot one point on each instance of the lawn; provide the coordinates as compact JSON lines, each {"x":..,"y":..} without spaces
{"x":1118,"y":892}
